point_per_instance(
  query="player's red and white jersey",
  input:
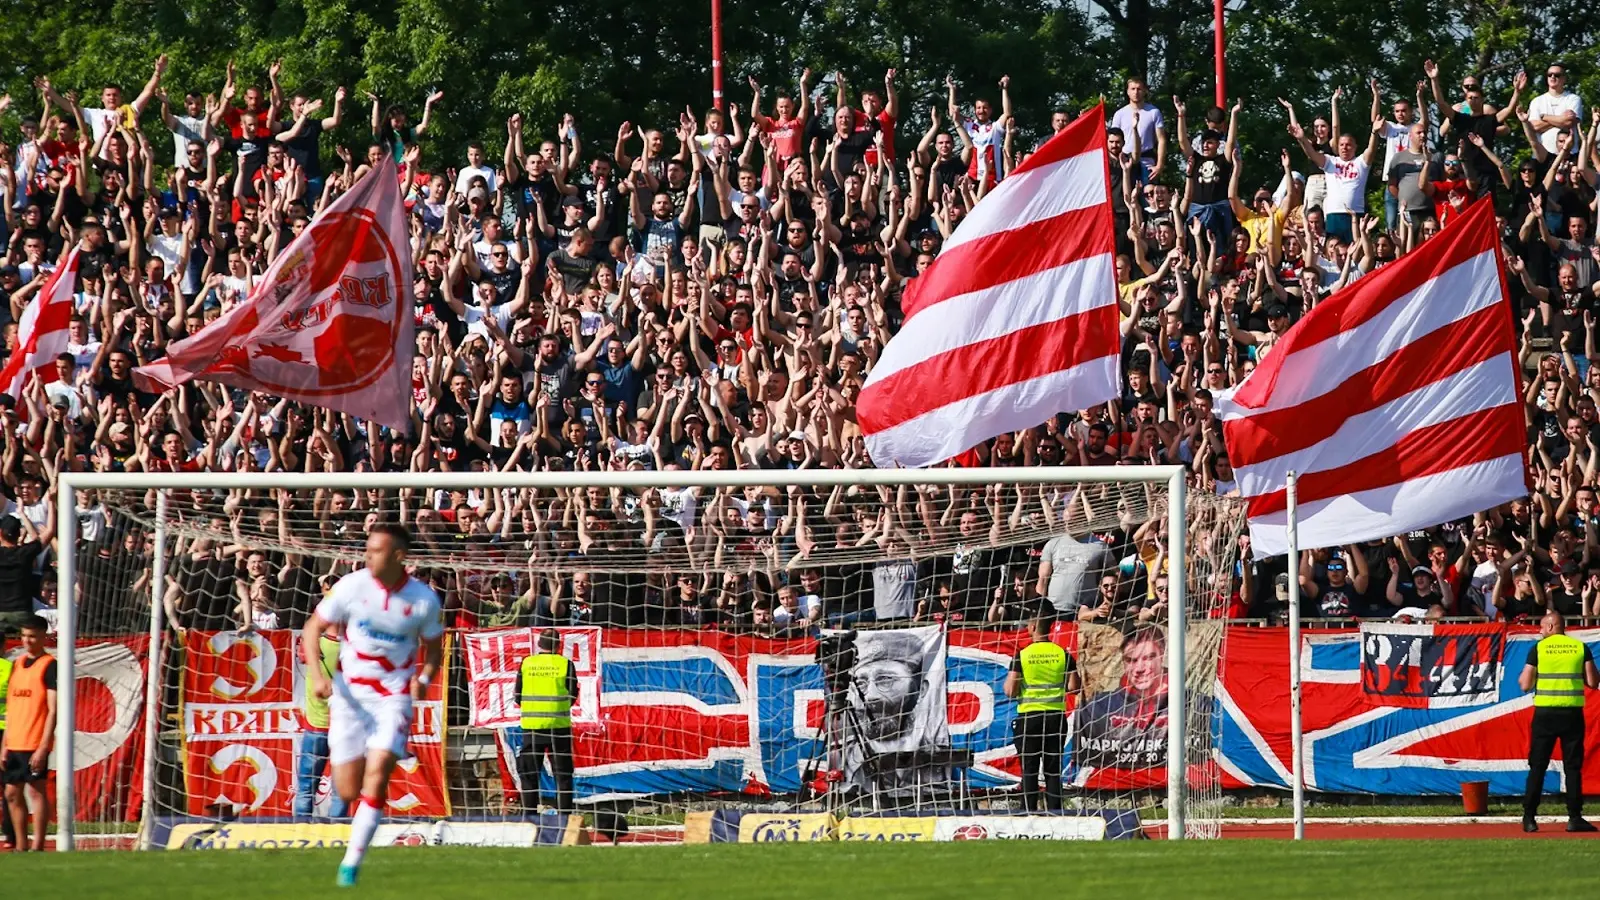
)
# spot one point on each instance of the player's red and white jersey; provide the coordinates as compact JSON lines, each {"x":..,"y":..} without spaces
{"x":382,"y":629}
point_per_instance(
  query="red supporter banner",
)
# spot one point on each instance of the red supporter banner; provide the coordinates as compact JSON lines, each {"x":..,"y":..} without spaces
{"x":494,"y":661}
{"x":242,"y":696}
{"x":1356,"y":742}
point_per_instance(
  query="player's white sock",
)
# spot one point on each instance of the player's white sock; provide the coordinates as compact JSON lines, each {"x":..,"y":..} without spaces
{"x":362,"y":825}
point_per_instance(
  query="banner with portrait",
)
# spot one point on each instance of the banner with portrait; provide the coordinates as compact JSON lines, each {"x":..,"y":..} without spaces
{"x":1119,"y":732}
{"x":898,"y":712}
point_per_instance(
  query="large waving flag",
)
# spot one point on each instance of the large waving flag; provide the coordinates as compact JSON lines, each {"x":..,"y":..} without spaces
{"x":330,"y":323}
{"x":42,"y":334}
{"x":1017,"y":318}
{"x":1395,"y":401}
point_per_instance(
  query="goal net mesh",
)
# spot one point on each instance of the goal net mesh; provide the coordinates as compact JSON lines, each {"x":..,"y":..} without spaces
{"x":692,"y":616}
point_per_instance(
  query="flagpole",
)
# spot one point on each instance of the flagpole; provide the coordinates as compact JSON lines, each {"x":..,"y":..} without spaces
{"x":1295,"y":735}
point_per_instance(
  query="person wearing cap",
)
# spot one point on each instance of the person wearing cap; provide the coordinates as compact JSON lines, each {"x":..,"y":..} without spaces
{"x":1566,"y":595}
{"x":1277,"y":326}
{"x":1337,"y":595}
{"x":1558,"y":670}
{"x":1424,"y":590}
{"x":548,"y":687}
{"x":1209,"y":172}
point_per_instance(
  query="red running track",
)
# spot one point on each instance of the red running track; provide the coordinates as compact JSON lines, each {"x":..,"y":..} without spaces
{"x":1400,"y":830}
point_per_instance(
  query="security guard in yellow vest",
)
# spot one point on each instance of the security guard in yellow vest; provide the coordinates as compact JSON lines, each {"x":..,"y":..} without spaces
{"x":1558,"y":669}
{"x":1042,"y":676}
{"x":548,"y":687}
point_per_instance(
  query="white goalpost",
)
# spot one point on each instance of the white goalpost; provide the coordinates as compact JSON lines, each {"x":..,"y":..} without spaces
{"x":184,"y":569}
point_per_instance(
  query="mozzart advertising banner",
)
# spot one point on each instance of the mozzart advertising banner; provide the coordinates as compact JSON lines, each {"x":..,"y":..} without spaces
{"x":243,"y":696}
{"x":1414,"y":710}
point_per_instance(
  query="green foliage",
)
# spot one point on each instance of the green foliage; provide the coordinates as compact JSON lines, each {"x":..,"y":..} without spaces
{"x":610,"y":60}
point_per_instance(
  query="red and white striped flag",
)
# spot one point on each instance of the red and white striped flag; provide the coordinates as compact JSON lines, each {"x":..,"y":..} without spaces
{"x":43,"y":332}
{"x":1395,"y":401}
{"x":1017,"y":318}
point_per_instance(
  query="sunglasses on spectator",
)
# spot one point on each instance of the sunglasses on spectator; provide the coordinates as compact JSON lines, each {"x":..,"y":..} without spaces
{"x":1214,"y":371}
{"x":592,"y":382}
{"x":501,"y":254}
{"x":1555,"y":74}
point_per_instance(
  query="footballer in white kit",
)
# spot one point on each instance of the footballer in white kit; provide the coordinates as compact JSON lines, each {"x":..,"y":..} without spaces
{"x":383,"y":629}
{"x":387,"y":618}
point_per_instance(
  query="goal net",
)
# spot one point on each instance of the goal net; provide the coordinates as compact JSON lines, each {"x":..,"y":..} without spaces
{"x":745,"y":643}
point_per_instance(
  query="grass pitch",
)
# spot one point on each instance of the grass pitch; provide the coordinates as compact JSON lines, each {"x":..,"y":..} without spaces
{"x":1232,"y":869}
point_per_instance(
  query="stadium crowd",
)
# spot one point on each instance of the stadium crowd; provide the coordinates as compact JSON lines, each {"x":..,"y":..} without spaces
{"x":710,"y":293}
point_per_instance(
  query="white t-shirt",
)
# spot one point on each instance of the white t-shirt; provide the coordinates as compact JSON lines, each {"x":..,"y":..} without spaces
{"x":1481,"y":588}
{"x":166,"y":249}
{"x":190,"y":129}
{"x":100,"y":119}
{"x":680,"y":505}
{"x":474,"y":316}
{"x":1396,"y":137}
{"x":1346,"y":185}
{"x":84,"y":354}
{"x":988,"y":141}
{"x":1150,"y":122}
{"x":467,"y":173}
{"x":1548,"y":104}
{"x":383,"y":629}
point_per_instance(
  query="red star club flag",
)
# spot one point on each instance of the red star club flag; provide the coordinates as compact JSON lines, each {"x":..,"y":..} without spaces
{"x":1017,"y":318}
{"x":330,"y":323}
{"x":43,"y":331}
{"x":1394,"y":401}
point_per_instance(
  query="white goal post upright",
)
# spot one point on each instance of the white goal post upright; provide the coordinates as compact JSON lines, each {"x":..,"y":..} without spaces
{"x":1170,"y":477}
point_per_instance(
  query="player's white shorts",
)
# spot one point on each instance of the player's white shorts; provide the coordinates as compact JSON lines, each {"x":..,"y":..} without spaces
{"x":361,"y":721}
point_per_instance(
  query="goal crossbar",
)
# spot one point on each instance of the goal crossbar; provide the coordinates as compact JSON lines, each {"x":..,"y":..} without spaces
{"x":67,"y":535}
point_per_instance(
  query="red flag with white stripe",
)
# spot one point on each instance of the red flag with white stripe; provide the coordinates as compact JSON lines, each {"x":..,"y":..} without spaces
{"x":1015,"y":321}
{"x":1395,"y":401}
{"x":43,"y":332}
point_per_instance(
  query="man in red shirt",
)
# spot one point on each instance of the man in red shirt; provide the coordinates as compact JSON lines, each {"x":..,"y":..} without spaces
{"x":789,"y":128}
{"x":877,"y":115}
{"x":263,"y":116}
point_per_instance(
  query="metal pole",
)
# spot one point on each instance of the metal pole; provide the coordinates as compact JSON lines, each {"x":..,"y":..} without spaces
{"x":66,"y":661}
{"x":716,"y":53}
{"x":1295,"y":738}
{"x":1220,"y":50}
{"x":1177,"y":633}
{"x":152,"y":680}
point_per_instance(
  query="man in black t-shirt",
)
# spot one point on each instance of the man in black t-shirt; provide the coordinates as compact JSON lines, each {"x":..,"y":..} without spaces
{"x":17,"y":581}
{"x":1566,"y":597}
{"x":1474,"y":117}
{"x":1337,"y":595}
{"x":1210,"y":171}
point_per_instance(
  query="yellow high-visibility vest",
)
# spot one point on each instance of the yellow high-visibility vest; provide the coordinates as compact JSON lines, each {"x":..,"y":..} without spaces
{"x":1560,"y":672}
{"x":1044,"y":678}
{"x":545,"y":702}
